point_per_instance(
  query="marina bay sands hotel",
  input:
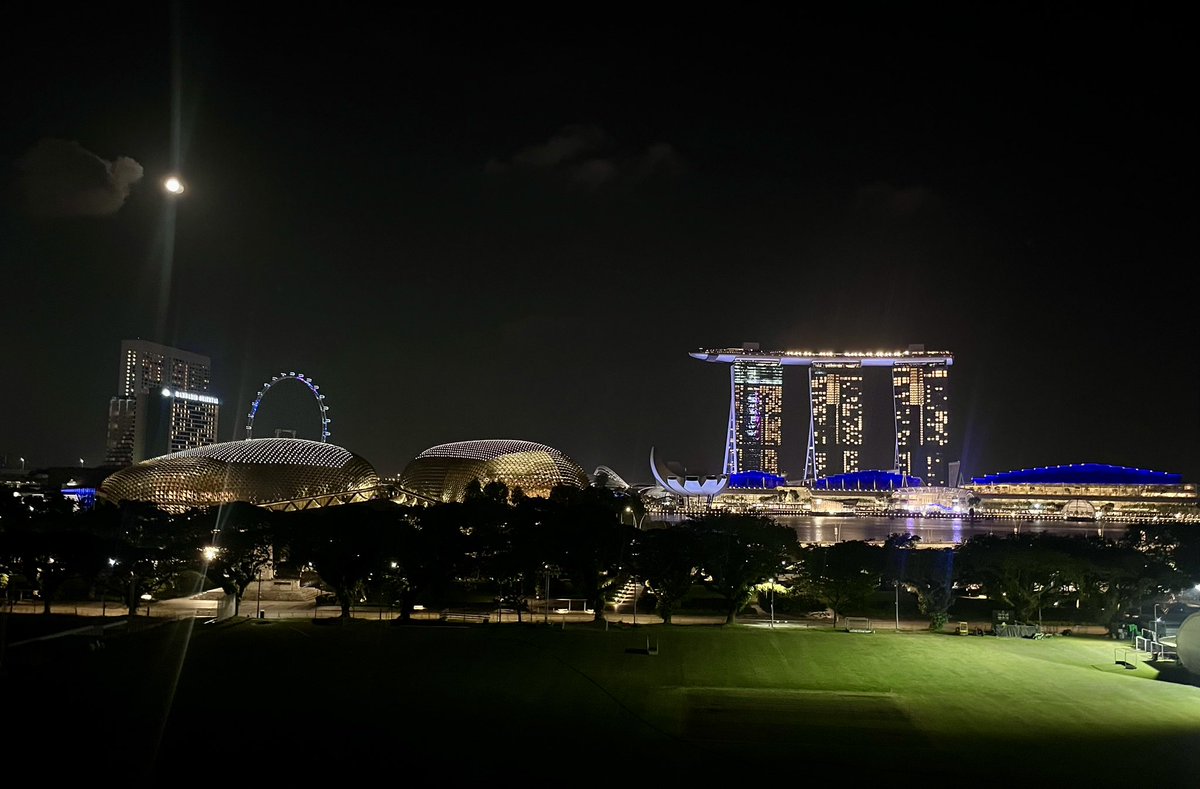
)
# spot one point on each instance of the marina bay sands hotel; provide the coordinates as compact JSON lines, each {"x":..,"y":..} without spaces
{"x":835,"y":392}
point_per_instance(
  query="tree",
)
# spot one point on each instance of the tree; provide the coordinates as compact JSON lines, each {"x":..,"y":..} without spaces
{"x":500,"y":544}
{"x":473,"y":490}
{"x":929,"y":573}
{"x":1116,"y":576}
{"x":428,"y":549}
{"x":667,"y":559}
{"x":150,"y":547}
{"x":1020,"y":570}
{"x":585,"y":537}
{"x":50,"y":549}
{"x":242,"y":539}
{"x":1174,"y":544}
{"x":343,"y":543}
{"x":842,"y":575}
{"x":739,"y":551}
{"x":496,"y":491}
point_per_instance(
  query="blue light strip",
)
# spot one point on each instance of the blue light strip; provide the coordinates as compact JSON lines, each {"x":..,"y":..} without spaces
{"x":1081,"y":473}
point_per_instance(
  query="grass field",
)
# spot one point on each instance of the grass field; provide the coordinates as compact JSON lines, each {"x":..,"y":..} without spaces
{"x":589,"y":706}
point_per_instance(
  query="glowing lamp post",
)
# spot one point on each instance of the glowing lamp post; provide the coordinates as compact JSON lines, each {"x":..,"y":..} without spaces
{"x":104,"y":596}
{"x":896,"y":584}
{"x":173,"y":185}
{"x":772,"y":603}
{"x":258,"y":602}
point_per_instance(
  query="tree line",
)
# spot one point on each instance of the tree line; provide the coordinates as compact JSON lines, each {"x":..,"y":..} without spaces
{"x":502,"y":545}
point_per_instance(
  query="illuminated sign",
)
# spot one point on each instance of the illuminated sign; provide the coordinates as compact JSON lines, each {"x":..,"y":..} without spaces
{"x":180,"y":394}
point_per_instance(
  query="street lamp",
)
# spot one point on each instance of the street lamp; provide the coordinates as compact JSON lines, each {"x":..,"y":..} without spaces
{"x":636,"y":589}
{"x":258,"y":602}
{"x":104,"y":594}
{"x":896,"y":583}
{"x":1157,"y":619}
{"x":173,"y":185}
{"x":772,"y":603}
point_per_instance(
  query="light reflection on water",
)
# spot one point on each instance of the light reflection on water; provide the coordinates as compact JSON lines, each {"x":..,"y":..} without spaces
{"x":825,"y":529}
{"x":941,"y":531}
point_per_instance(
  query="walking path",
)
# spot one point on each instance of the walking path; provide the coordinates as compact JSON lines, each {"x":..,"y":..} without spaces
{"x":285,"y":609}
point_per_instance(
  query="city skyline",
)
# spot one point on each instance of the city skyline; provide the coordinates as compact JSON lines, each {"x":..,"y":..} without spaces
{"x":490,"y":230}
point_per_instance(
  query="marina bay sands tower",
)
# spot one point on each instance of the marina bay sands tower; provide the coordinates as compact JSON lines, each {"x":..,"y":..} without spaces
{"x":835,"y":390}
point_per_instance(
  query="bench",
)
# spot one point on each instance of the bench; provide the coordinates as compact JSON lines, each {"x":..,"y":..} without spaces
{"x":466,"y":616}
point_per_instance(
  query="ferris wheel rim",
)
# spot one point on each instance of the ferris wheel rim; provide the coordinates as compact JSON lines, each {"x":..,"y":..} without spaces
{"x":302,"y":378}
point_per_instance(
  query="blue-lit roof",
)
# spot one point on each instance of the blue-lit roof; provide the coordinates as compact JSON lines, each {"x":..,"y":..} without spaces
{"x":1080,"y":474}
{"x":85,"y":496}
{"x":867,"y":480}
{"x":756,"y":479}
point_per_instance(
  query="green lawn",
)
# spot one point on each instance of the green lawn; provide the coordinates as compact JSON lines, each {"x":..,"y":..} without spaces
{"x":484,"y":701}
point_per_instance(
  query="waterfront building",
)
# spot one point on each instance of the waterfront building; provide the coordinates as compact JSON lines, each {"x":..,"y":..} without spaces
{"x":1090,"y":492}
{"x":920,"y":392}
{"x":276,"y":473}
{"x":836,"y":418}
{"x":162,"y":403}
{"x":1087,"y":492}
{"x":755,"y":416}
{"x":922,"y":420}
{"x":442,"y":473}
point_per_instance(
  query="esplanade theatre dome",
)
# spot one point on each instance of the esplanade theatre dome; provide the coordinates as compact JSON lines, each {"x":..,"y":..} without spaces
{"x":443,"y":472}
{"x":284,"y":473}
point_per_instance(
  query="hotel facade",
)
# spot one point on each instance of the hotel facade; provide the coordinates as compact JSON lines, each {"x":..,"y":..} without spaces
{"x":921,"y":410}
{"x":162,"y":404}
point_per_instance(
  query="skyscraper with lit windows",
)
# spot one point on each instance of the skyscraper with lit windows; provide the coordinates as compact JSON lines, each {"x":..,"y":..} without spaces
{"x":162,"y":403}
{"x":755,"y":417}
{"x":922,"y":400}
{"x":920,"y":393}
{"x":835,"y":435}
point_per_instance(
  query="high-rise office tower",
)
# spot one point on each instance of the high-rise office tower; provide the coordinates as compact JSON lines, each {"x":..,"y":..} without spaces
{"x":920,"y":393}
{"x":755,"y":417}
{"x":835,"y":435}
{"x":162,"y":403}
{"x":922,"y":420}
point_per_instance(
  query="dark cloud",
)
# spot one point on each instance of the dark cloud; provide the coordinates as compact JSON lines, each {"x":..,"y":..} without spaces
{"x":62,"y":178}
{"x":587,"y":156}
{"x":566,"y":146}
{"x":593,"y":173}
{"x":884,"y":199}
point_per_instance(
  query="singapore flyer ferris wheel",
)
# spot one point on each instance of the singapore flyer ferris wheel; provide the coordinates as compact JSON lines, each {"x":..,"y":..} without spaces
{"x":312,"y":387}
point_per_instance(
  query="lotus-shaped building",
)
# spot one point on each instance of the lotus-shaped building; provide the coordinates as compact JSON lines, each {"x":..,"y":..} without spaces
{"x":687,"y":485}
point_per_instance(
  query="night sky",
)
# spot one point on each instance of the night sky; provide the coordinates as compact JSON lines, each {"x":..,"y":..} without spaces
{"x":465,"y":227}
